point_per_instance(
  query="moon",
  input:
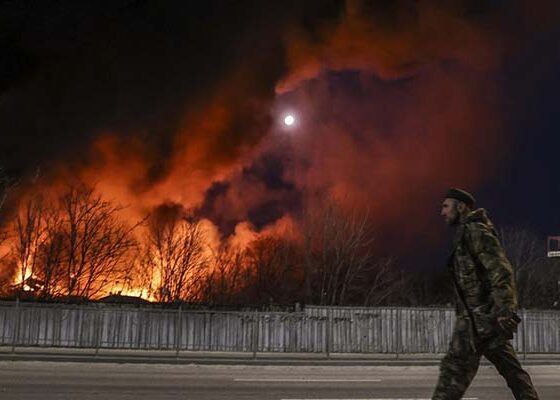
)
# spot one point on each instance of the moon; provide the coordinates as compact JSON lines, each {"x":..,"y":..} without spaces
{"x":289,"y":120}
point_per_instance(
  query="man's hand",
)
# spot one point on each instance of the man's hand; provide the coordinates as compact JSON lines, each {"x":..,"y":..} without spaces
{"x":509,"y":322}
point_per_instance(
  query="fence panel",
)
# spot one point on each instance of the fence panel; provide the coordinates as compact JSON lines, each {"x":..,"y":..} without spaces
{"x":316,"y":329}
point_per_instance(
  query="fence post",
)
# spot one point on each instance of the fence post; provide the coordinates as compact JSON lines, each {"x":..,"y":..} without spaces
{"x":328,"y":336}
{"x":178,"y":332}
{"x":398,"y":333}
{"x":16,"y":328}
{"x":99,"y":330}
{"x":210,"y":330}
{"x":255,"y":334}
{"x":523,"y":333}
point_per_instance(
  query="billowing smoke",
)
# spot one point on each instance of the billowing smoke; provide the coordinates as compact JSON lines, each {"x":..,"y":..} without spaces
{"x":395,"y":102}
{"x":173,"y":104}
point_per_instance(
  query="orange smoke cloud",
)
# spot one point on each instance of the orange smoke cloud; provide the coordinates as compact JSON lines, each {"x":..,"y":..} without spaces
{"x":397,"y":103}
{"x":438,"y":135}
{"x":417,"y":110}
{"x":393,"y":44}
{"x":214,"y":139}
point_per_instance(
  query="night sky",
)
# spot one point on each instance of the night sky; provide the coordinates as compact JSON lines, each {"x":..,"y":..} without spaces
{"x":176,"y":102}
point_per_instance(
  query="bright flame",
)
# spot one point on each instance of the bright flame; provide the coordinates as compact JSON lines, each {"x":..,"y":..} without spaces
{"x":143,"y":293}
{"x":18,"y":280}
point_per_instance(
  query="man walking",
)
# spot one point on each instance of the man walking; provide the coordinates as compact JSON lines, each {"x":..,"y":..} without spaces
{"x":486,"y":302}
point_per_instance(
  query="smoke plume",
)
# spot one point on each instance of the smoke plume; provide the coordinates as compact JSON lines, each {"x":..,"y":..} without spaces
{"x":173,"y":104}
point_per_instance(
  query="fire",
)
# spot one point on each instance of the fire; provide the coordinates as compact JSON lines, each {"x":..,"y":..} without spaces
{"x":394,"y":113}
{"x":139,"y":292}
{"x":28,"y":282}
{"x":79,"y":244}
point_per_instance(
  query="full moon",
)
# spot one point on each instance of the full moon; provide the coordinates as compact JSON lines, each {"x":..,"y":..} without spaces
{"x":289,"y":120}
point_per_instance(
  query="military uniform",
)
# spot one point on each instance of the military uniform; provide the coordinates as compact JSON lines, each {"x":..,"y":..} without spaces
{"x":484,"y":290}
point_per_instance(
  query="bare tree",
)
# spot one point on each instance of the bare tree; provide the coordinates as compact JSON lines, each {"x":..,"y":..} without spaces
{"x":76,"y":246}
{"x":272,"y":273}
{"x":49,"y":268}
{"x":224,"y":283}
{"x":426,"y":287}
{"x":176,"y":255}
{"x":29,"y":234}
{"x":36,"y":246}
{"x":536,"y":276}
{"x":337,"y":251}
{"x":145,"y":271}
{"x":384,"y":283}
{"x":97,"y":244}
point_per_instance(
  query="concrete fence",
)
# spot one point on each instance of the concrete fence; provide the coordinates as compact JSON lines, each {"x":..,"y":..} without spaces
{"x":316,"y":329}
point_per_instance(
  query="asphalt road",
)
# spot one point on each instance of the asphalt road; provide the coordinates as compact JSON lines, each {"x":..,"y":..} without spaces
{"x":32,"y":380}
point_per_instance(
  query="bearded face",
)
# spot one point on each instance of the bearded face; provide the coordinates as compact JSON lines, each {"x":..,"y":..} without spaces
{"x":450,"y":211}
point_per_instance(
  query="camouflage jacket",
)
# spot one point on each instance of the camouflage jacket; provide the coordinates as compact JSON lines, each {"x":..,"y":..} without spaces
{"x":484,"y":280}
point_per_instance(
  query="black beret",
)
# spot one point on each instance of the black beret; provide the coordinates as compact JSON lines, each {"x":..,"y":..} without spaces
{"x":460,"y":195}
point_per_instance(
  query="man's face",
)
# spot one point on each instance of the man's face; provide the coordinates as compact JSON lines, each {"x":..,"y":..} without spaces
{"x":450,"y":211}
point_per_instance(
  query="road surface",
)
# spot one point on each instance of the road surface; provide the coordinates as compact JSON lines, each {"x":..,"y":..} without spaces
{"x":33,"y":380}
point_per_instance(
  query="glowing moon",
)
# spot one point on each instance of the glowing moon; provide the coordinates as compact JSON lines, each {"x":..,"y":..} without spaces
{"x":289,"y":120}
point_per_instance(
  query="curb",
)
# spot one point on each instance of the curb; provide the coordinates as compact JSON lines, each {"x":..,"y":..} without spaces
{"x":235,"y":360}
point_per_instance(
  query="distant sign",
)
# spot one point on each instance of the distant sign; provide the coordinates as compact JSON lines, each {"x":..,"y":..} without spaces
{"x":553,"y":246}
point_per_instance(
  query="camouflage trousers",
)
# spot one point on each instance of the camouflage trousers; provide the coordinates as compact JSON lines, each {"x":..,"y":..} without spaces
{"x":460,"y":364}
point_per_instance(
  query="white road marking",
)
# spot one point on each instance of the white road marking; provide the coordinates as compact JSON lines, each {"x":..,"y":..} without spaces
{"x":387,"y":398}
{"x":303,"y":380}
